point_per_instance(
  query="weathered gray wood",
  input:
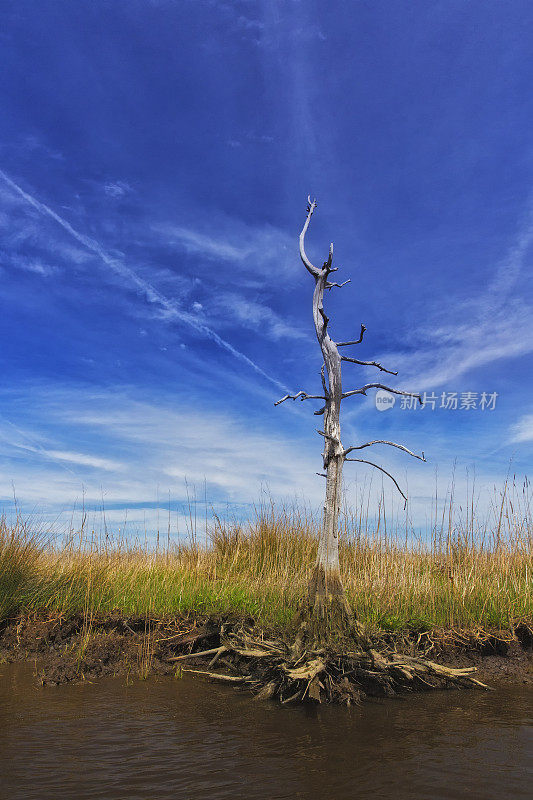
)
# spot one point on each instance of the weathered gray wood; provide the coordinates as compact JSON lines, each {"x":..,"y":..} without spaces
{"x":326,"y":579}
{"x":383,"y":441}
{"x":368,"y":364}
{"x":367,"y":386}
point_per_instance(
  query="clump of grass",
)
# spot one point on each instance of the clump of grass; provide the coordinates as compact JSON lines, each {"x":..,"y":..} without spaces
{"x":467,"y":572}
{"x":21,"y":550}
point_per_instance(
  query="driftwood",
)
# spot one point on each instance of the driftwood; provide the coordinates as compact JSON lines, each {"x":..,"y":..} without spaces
{"x":291,"y":673}
{"x":219,"y":676}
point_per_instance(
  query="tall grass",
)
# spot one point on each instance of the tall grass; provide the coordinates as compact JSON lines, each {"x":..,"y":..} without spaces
{"x":466,"y":572}
{"x":21,"y":554}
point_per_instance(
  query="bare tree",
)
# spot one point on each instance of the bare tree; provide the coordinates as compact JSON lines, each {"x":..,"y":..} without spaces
{"x":327,"y":607}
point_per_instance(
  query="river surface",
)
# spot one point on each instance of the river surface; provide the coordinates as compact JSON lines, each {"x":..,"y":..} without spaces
{"x":188,"y":738}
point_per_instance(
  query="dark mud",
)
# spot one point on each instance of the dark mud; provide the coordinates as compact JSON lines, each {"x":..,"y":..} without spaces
{"x":78,"y":648}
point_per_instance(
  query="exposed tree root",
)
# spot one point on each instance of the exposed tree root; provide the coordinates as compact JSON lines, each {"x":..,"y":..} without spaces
{"x":301,"y":673}
{"x":325,"y":615}
{"x":289,"y":669}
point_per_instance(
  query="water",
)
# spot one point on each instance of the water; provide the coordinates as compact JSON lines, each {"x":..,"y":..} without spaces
{"x":160,"y":739}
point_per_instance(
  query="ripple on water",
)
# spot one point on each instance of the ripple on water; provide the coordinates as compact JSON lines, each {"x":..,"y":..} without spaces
{"x":187,"y":738}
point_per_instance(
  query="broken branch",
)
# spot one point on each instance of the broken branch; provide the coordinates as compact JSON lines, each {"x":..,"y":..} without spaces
{"x":370,"y":463}
{"x":199,"y":654}
{"x":331,"y":284}
{"x":301,"y":395}
{"x":368,"y":364}
{"x":217,"y":676}
{"x":310,"y":267}
{"x":357,"y":341}
{"x":383,"y":441}
{"x":364,"y":389}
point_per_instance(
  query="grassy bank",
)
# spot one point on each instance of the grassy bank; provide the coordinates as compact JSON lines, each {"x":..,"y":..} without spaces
{"x":462,"y":577}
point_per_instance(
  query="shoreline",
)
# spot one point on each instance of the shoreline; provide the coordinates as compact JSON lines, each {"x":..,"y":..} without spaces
{"x":82,"y":647}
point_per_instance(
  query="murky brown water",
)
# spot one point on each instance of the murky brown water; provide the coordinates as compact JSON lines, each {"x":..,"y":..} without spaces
{"x":164,"y":739}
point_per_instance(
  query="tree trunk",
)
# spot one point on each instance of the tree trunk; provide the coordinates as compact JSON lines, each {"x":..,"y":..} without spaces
{"x":326,"y":598}
{"x":327,"y":607}
{"x":326,"y":611}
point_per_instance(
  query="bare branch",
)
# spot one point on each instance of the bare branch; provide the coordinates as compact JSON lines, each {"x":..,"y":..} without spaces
{"x":357,"y":341}
{"x":340,"y":285}
{"x":368,"y":364}
{"x":310,"y":267}
{"x":327,"y":436}
{"x":383,"y":441}
{"x":327,"y":264}
{"x":364,"y":389}
{"x":395,"y":482}
{"x":301,"y":395}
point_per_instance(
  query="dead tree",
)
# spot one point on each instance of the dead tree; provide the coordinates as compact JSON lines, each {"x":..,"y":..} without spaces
{"x":327,"y":608}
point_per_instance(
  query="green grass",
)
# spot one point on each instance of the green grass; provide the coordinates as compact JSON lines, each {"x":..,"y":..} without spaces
{"x":462,"y":577}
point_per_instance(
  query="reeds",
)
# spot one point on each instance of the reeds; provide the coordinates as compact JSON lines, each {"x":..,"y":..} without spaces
{"x":21,"y":553}
{"x":465,"y":572}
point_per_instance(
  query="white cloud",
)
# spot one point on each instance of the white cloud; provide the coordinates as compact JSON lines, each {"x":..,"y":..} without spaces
{"x":85,"y":460}
{"x":35,"y":265}
{"x":495,"y":325}
{"x":163,"y":444}
{"x":251,"y":314}
{"x":168,"y":307}
{"x":250,"y":249}
{"x":195,"y":242}
{"x":522,"y":431}
{"x":117,"y":189}
{"x":161,"y":447}
{"x":453,"y":351}
{"x":196,"y":444}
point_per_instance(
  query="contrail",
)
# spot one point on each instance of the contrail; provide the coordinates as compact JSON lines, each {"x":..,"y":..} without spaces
{"x":149,"y":291}
{"x":36,"y":448}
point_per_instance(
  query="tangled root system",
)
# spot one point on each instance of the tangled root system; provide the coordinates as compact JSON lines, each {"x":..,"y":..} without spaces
{"x":296,"y":672}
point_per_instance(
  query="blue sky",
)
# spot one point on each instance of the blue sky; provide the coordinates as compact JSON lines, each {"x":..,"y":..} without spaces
{"x":155,"y":160}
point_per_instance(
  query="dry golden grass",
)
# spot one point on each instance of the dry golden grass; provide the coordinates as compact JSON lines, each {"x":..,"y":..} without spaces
{"x":465,"y":574}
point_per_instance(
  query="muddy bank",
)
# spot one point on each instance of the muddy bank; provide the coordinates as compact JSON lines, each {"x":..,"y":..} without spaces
{"x":78,"y":648}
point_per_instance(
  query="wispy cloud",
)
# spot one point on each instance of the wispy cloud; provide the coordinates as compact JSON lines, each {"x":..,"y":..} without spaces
{"x":159,"y":452}
{"x":30,"y":145}
{"x":117,"y":189}
{"x":492,"y":326}
{"x":161,"y":444}
{"x":257,"y":316}
{"x":85,"y":460}
{"x":455,"y":351}
{"x":256,"y":250}
{"x":522,"y":431}
{"x":195,"y":242}
{"x":169,"y":306}
{"x":28,"y":264}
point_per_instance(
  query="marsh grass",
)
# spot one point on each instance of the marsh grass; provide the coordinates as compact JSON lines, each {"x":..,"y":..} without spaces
{"x":465,"y":572}
{"x":22,"y":547}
